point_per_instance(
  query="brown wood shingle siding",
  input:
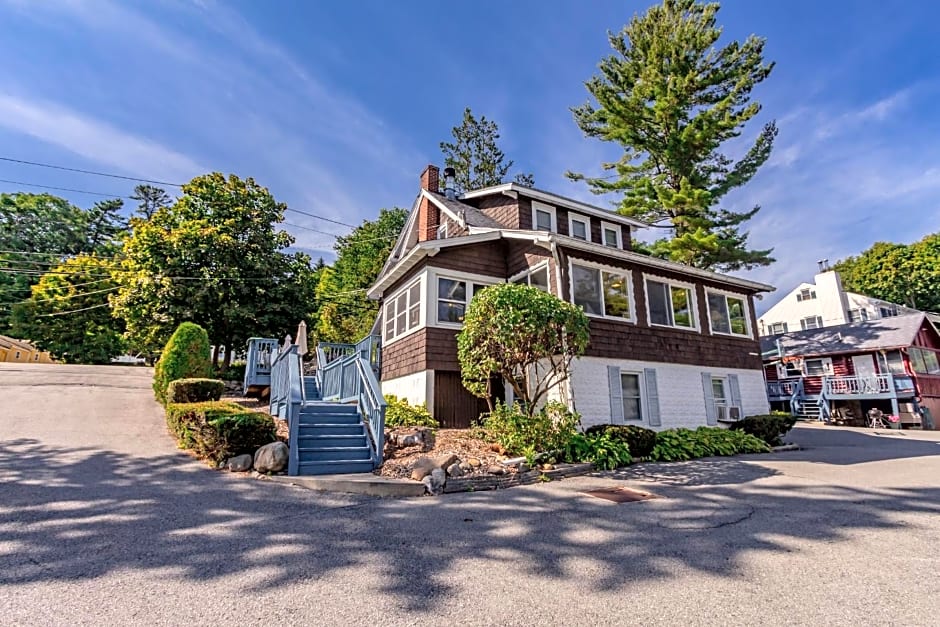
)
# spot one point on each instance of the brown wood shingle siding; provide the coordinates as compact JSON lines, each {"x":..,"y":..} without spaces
{"x":501,"y":208}
{"x":486,"y":258}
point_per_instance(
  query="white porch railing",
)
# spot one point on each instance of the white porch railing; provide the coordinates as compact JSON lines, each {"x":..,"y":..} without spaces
{"x":859,"y":385}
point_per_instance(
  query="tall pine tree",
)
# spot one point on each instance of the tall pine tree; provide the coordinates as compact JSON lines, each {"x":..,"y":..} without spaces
{"x":476,"y":156}
{"x":672,"y":99}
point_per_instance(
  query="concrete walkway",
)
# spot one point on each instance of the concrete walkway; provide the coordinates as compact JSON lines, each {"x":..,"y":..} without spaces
{"x":102,"y":521}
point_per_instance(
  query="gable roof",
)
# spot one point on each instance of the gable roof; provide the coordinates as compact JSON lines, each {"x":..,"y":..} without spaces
{"x":555,"y":199}
{"x":859,"y":337}
{"x":14,"y":343}
{"x":461,"y":212}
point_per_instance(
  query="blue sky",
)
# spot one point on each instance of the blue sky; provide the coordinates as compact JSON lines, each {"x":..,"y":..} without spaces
{"x":337,"y":106}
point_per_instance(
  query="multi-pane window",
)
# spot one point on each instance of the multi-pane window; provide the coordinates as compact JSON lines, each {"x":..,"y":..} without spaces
{"x":778,"y":327}
{"x":817,"y":367}
{"x":858,"y":315}
{"x":535,"y":278}
{"x":670,"y":305}
{"x":727,"y":314}
{"x":601,"y":292}
{"x":923,"y":361}
{"x":578,"y":228}
{"x":811,"y":322}
{"x":453,"y":296}
{"x":888,"y":311}
{"x":891,"y":361}
{"x":632,"y":399}
{"x":718,"y":391}
{"x":403,"y":312}
{"x":805,"y":294}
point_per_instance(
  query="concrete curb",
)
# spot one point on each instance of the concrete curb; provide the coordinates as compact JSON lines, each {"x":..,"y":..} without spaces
{"x":785,"y":447}
{"x":364,"y":483}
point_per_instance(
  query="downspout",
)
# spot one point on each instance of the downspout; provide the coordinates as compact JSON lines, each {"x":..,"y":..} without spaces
{"x":569,"y":392}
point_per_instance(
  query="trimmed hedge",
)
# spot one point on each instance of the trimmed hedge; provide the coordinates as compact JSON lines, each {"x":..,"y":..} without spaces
{"x":185,"y":356}
{"x":770,"y":427}
{"x":639,"y":439}
{"x":217,"y":430}
{"x":673,"y":445}
{"x":194,"y":390}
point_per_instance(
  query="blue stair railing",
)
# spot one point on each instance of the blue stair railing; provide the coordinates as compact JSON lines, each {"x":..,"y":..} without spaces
{"x":261,"y":353}
{"x":349,"y":372}
{"x":287,"y":389}
{"x":796,"y":397}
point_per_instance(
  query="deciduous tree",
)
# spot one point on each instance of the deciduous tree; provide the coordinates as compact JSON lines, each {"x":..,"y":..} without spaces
{"x":672,"y":100}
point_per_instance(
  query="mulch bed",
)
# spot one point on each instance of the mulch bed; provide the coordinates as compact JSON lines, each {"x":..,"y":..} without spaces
{"x":459,"y":442}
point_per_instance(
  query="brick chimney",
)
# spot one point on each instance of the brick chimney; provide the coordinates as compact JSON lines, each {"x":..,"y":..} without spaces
{"x":429,"y":216}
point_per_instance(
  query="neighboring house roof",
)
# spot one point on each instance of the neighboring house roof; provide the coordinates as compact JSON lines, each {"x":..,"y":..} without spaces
{"x":859,"y":337}
{"x":555,"y":199}
{"x":395,"y":271}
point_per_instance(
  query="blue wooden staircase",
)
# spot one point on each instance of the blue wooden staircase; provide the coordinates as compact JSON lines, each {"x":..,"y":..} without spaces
{"x":336,"y":419}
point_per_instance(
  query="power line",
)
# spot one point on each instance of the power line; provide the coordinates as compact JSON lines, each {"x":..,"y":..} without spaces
{"x":64,"y":189}
{"x":313,"y":215}
{"x":64,"y":313}
{"x":93,"y":172}
{"x":64,"y":297}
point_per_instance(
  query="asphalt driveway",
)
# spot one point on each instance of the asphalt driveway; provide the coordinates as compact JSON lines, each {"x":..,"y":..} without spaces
{"x":103,"y":521}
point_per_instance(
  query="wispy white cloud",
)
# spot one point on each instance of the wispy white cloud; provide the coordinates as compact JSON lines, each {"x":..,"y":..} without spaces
{"x":94,"y":139}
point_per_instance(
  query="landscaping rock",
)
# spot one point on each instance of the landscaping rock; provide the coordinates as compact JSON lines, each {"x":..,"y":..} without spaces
{"x":271,"y":457}
{"x":474,"y":462}
{"x":446,"y":461}
{"x":465,"y":466}
{"x":239,"y":463}
{"x":422,"y":468}
{"x":434,"y":482}
{"x":548,"y":467}
{"x":496,"y":469}
{"x":454,"y":470}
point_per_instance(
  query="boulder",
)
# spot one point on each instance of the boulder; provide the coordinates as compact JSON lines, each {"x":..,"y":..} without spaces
{"x":454,"y":470}
{"x":548,"y":467}
{"x":496,"y":469}
{"x":434,"y":482}
{"x":239,"y":463}
{"x":465,"y":466}
{"x":422,"y":468}
{"x":271,"y":457}
{"x":446,"y":461}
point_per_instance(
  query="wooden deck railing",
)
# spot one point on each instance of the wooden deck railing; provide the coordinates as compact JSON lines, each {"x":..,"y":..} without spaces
{"x":262,"y":352}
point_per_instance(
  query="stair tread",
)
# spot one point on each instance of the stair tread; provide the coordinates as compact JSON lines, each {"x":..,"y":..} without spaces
{"x":335,"y":462}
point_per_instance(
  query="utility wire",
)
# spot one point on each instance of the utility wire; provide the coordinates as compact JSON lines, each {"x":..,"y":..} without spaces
{"x":113,"y":176}
{"x":64,"y":189}
{"x":64,"y":313}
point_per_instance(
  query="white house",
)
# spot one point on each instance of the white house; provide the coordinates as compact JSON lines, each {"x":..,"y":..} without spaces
{"x":824,"y":303}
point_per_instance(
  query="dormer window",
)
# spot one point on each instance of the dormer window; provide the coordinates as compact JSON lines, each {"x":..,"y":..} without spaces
{"x":579,"y":227}
{"x":611,"y":235}
{"x":543,"y":217}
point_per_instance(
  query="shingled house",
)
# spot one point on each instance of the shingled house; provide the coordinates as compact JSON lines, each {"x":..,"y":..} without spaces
{"x":671,"y":346}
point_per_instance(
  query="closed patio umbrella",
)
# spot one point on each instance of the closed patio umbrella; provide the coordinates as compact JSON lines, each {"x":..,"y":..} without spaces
{"x":301,"y":338}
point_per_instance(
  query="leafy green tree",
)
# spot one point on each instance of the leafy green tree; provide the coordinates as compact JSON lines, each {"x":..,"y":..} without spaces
{"x":671,"y":100}
{"x":36,"y":232}
{"x":343,"y":311}
{"x":68,"y":312}
{"x":150,"y":199}
{"x":217,"y":257}
{"x":522,"y":334}
{"x":476,"y":157}
{"x":185,"y":356}
{"x":908,"y":274}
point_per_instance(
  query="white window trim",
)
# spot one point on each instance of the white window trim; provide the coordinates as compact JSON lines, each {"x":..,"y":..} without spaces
{"x":538,"y":206}
{"x":644,"y":407}
{"x":747,"y":312}
{"x":616,"y":229}
{"x":827,"y":366}
{"x":530,"y":270}
{"x":816,"y":317}
{"x":442,"y":231}
{"x":572,"y":217}
{"x":430,"y":311}
{"x":573,"y":261}
{"x":695,"y":312}
{"x":422,"y":293}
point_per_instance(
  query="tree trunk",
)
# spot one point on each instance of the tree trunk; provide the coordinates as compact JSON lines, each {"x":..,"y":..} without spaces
{"x":215,"y":357}
{"x":228,"y":354}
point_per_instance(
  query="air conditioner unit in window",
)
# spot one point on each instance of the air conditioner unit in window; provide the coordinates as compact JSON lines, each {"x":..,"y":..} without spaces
{"x":729,"y":413}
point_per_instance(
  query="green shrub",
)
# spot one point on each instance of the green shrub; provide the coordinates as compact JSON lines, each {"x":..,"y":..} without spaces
{"x":400,"y":414}
{"x":549,"y":429}
{"x":194,"y":390}
{"x":217,"y":430}
{"x":639,"y":439}
{"x":602,"y":449}
{"x":682,"y":444}
{"x":185,"y":356}
{"x":770,"y":428}
{"x":235,"y":372}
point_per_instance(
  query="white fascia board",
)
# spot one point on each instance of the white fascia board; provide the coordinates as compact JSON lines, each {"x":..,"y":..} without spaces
{"x":442,"y":207}
{"x":555,"y":199}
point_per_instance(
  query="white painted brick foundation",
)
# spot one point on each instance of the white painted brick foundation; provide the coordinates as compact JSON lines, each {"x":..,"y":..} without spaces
{"x":681,"y":397}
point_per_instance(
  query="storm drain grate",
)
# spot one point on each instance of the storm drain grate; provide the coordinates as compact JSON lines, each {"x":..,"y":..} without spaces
{"x":622,"y":495}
